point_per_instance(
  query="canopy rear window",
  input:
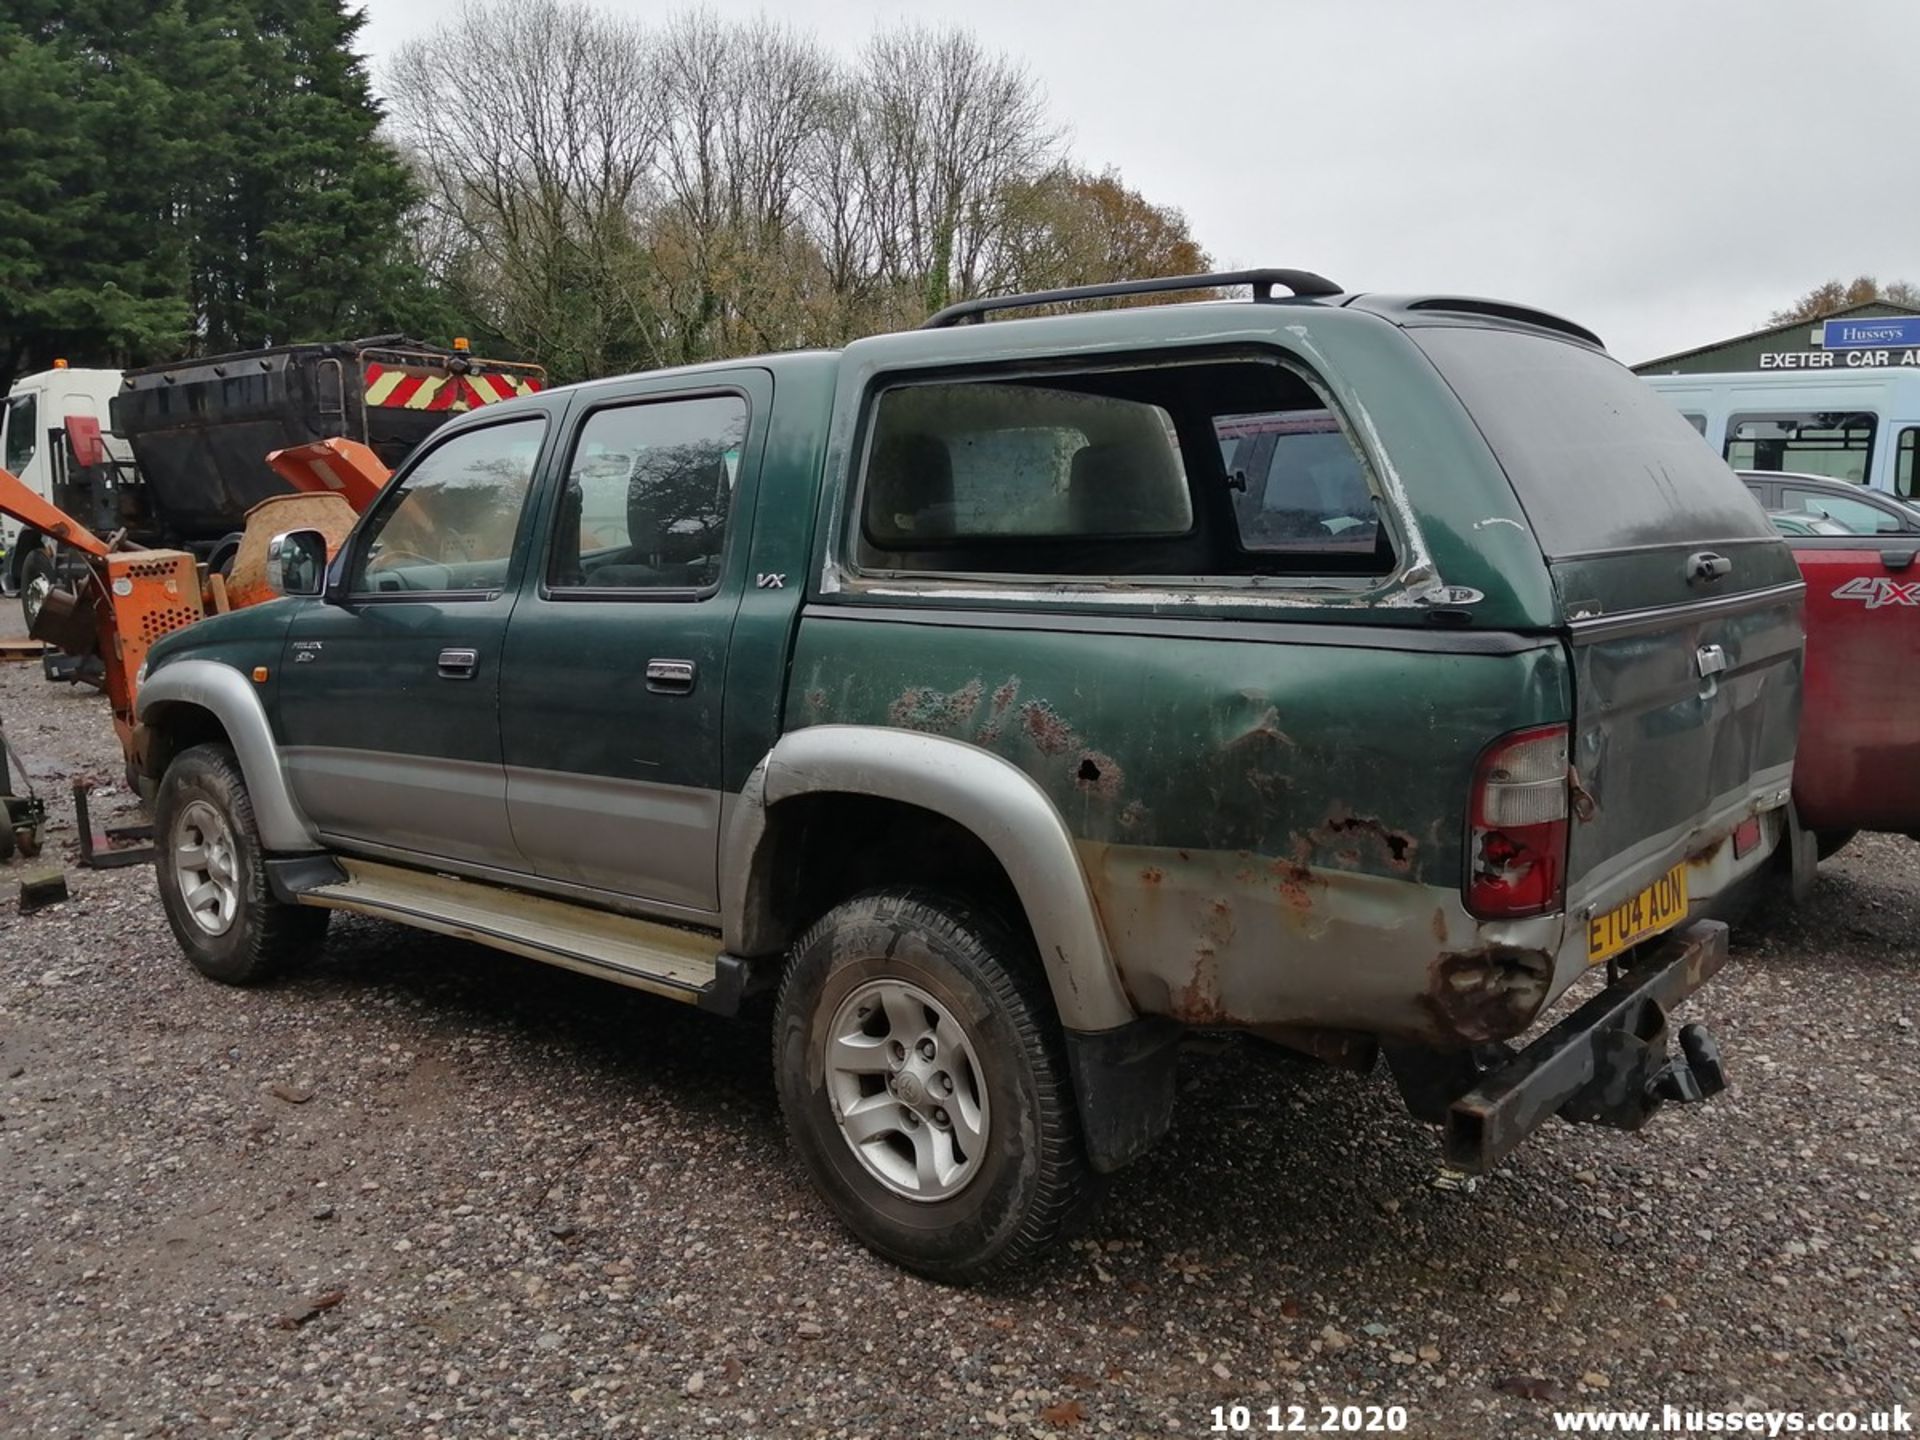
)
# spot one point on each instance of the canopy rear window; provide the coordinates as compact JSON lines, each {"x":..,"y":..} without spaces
{"x":1599,"y":460}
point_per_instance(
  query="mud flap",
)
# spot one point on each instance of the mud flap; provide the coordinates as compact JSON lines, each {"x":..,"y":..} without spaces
{"x":1123,"y":1081}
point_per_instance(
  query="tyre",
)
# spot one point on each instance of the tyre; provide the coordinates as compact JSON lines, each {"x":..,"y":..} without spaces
{"x":1829,"y":843}
{"x":36,"y":579}
{"x":213,"y":877}
{"x":924,"y":1083}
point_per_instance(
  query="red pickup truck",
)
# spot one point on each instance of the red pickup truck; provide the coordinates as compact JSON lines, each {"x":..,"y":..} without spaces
{"x":1858,"y":762}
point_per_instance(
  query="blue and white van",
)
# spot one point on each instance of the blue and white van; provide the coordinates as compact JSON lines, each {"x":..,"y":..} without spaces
{"x":1859,"y":424}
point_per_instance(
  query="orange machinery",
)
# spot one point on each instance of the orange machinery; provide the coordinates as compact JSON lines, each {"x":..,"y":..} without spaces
{"x":130,"y":597}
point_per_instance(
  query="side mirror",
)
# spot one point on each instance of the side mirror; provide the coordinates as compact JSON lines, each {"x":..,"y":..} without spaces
{"x":297,"y":563}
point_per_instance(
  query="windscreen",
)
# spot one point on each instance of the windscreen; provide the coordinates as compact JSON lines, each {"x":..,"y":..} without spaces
{"x":1599,"y":460}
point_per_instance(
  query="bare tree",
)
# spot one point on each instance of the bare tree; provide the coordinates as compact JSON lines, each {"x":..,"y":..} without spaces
{"x":950,"y":127}
{"x":536,"y":127}
{"x":618,"y":197}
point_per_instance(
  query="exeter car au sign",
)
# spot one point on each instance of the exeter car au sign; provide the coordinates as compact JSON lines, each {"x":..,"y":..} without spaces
{"x":1850,"y":359}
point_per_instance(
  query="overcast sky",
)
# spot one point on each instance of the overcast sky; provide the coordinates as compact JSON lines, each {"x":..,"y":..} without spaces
{"x":1667,"y":172}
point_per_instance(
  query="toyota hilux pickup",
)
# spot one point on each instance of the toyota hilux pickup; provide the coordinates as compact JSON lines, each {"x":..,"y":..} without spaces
{"x":1010,"y":697}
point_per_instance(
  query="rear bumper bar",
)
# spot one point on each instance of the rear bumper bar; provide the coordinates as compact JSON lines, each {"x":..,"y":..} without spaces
{"x":1607,"y":1063}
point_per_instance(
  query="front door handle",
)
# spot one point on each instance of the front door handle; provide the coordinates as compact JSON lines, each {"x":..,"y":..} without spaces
{"x":1897,"y":559}
{"x":670,"y":677}
{"x":458,"y":664}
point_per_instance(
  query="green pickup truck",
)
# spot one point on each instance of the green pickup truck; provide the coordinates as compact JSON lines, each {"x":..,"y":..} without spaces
{"x":1011,"y":697}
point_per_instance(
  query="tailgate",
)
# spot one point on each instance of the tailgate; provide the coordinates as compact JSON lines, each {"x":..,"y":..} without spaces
{"x":1680,"y":605}
{"x":1859,"y":761}
{"x":1684,"y":724}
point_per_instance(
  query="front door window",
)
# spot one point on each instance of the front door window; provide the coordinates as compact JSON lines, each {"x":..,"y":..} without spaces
{"x":22,"y":423}
{"x":452,"y":527}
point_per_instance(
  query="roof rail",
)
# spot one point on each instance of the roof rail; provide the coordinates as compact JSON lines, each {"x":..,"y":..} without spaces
{"x":1301,"y":282}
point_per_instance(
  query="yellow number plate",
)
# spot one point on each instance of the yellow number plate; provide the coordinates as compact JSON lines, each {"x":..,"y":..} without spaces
{"x":1659,"y":906}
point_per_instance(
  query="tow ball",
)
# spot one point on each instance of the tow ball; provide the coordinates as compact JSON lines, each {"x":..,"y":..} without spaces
{"x":1696,"y":1073}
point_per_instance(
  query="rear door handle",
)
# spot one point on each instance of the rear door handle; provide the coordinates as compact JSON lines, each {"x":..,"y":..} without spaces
{"x":458,"y":664}
{"x":670,"y":677}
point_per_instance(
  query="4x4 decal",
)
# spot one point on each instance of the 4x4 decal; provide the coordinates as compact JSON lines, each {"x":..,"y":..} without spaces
{"x":1877,"y":590}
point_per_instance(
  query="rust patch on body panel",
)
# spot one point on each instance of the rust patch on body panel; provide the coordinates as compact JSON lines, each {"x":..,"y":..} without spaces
{"x":932,"y":710}
{"x":1296,"y":883}
{"x":1491,"y":994}
{"x":1047,"y":728}
{"x":1098,"y":774}
{"x":1198,"y":1002}
{"x":1396,"y":847}
{"x":1004,"y":694}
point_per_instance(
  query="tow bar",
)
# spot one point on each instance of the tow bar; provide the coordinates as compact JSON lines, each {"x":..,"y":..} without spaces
{"x":1608,"y":1063}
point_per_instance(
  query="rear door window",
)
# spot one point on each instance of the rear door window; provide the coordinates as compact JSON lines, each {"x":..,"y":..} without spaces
{"x":1838,"y":444}
{"x":648,"y":494}
{"x":1599,"y":459}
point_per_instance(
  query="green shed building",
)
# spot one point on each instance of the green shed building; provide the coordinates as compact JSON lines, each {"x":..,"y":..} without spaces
{"x":1794,"y":346}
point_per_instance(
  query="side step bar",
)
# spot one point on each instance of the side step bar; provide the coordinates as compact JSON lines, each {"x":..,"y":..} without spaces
{"x":681,"y":964}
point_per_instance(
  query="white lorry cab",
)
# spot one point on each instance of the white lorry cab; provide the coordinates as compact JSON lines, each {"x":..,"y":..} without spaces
{"x":32,"y":431}
{"x":1854,"y":423}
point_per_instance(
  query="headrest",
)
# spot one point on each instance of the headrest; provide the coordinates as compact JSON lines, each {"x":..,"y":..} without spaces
{"x":910,"y":489}
{"x":1128,"y":489}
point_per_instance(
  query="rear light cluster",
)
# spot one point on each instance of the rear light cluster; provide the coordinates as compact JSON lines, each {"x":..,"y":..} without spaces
{"x":1517,"y":847}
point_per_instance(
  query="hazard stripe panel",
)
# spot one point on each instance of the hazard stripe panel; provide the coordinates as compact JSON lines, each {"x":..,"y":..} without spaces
{"x":400,"y":389}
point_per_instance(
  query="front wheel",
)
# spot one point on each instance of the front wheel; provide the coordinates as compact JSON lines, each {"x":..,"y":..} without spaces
{"x":213,"y":876}
{"x":921,"y":1073}
{"x":36,"y":582}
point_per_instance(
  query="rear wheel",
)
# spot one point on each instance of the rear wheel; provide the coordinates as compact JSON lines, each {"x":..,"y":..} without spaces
{"x":1831,"y":842}
{"x":213,"y":876}
{"x":921,"y":1073}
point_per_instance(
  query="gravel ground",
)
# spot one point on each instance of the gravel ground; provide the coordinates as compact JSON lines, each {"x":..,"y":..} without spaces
{"x":426,"y":1189}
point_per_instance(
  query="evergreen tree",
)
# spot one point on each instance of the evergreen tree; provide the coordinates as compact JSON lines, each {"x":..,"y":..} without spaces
{"x":295,"y":206}
{"x":89,"y":268}
{"x":185,"y":176}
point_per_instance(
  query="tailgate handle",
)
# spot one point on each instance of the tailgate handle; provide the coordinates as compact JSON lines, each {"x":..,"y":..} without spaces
{"x":1896,"y":559}
{"x":1712,"y":659}
{"x":1705,"y":567}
